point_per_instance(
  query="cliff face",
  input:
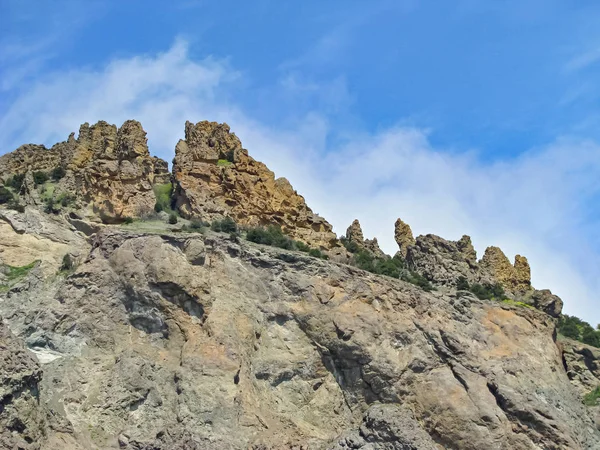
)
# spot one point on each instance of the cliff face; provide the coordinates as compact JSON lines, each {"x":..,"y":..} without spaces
{"x":215,"y":177}
{"x":170,"y":339}
{"x":198,"y":341}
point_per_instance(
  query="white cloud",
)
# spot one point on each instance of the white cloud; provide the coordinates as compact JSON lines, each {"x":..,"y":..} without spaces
{"x":537,"y":204}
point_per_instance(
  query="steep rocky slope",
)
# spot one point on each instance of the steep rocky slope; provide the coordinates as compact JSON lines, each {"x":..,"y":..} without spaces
{"x":199,"y":341}
{"x":155,"y":337}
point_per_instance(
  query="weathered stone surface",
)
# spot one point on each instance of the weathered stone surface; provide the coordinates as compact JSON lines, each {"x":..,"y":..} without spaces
{"x":108,"y":170}
{"x":33,"y":236}
{"x":545,"y":301}
{"x":515,"y":279}
{"x":216,"y":177}
{"x":582,"y":363}
{"x":354,"y":234}
{"x":114,"y":171}
{"x":443,"y":262}
{"x":29,"y":157}
{"x":22,"y":421}
{"x":250,"y":351}
{"x":404,"y":237}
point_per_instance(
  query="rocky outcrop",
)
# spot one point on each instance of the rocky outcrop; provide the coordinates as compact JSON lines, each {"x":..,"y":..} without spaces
{"x":198,"y":341}
{"x":545,"y":301}
{"x":354,"y":234}
{"x":443,"y":262}
{"x":112,"y":169}
{"x":582,"y":363}
{"x":515,"y":279}
{"x":22,"y":420}
{"x":215,"y":177}
{"x":109,"y":170}
{"x":403,"y":236}
{"x":29,"y":157}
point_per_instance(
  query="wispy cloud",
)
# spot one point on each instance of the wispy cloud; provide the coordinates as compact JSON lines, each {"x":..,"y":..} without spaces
{"x":536,"y":204}
{"x":583,"y":61}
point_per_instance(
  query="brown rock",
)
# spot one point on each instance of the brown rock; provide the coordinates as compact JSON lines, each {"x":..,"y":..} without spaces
{"x":465,"y":247}
{"x":216,"y":177}
{"x":354,"y":232}
{"x":107,"y":168}
{"x":515,"y":279}
{"x":403,"y":235}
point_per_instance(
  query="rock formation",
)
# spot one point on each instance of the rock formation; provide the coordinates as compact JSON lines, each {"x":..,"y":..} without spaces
{"x":22,"y":421}
{"x":404,"y":237}
{"x":178,"y":340}
{"x":515,"y":279}
{"x":215,"y":177}
{"x":354,"y":234}
{"x":108,"y":169}
{"x":441,"y":261}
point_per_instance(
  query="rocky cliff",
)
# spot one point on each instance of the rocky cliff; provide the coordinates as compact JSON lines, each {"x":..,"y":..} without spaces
{"x":108,"y":171}
{"x":154,"y":336}
{"x":215,"y":177}
{"x":197,"y":341}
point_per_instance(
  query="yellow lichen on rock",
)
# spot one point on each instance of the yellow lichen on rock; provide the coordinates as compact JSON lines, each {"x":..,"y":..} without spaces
{"x":245,"y":190}
{"x":515,"y":278}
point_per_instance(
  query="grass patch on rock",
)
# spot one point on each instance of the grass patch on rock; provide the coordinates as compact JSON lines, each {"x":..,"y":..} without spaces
{"x":592,"y":398}
{"x":14,"y":274}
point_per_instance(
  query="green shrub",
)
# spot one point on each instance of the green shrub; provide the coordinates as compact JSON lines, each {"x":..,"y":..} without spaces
{"x":197,"y":224}
{"x":418,"y":280}
{"x":364,"y":260}
{"x":51,"y":207}
{"x":462,"y":284}
{"x":58,"y":173}
{"x":16,"y":206}
{"x":387,"y":266}
{"x":591,"y":398}
{"x":509,"y":301}
{"x":5,"y":196}
{"x":67,"y":263}
{"x":163,"y":194}
{"x":591,"y":337}
{"x":65,"y":199}
{"x":223,"y":163}
{"x":351,"y":246}
{"x":488,"y":291}
{"x":16,"y":181}
{"x":173,"y":218}
{"x":15,"y":274}
{"x":316,"y":253}
{"x":40,"y":177}
{"x":127,"y":220}
{"x":301,"y":246}
{"x":270,"y":236}
{"x":227,"y":225}
{"x":575,"y":328}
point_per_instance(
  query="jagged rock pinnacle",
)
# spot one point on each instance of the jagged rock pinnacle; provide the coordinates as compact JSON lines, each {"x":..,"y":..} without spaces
{"x":404,"y":236}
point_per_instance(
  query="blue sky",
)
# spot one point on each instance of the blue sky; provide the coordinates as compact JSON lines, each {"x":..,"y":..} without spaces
{"x":475,"y":117}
